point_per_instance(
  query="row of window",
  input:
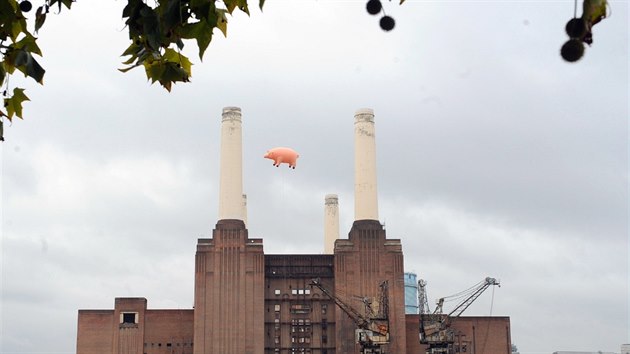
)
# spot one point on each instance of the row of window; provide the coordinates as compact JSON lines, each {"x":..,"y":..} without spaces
{"x":168,"y":345}
{"x":294,"y":292}
{"x":300,"y":339}
{"x":300,"y":308}
{"x":300,"y":350}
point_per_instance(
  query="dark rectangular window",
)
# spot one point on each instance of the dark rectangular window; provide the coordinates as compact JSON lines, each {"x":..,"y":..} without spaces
{"x":129,"y":317}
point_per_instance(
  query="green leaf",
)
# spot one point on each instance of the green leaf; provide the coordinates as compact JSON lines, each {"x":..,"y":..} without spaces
{"x":14,"y":103}
{"x":202,"y":32}
{"x":151,"y":27}
{"x":155,"y":71}
{"x":16,"y":29}
{"x":124,"y":70}
{"x":25,"y":62}
{"x":66,"y":3}
{"x":29,"y":44}
{"x":202,"y":8}
{"x":40,"y":18}
{"x":3,"y":73}
{"x":222,"y":21}
{"x":174,"y":57}
{"x":262,"y":2}
{"x":133,"y":49}
{"x":172,"y":14}
{"x":230,"y":5}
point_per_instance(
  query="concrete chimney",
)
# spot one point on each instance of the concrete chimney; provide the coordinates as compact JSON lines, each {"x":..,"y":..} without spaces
{"x":231,"y":179}
{"x":331,"y":223}
{"x":244,"y":211}
{"x":365,"y":197}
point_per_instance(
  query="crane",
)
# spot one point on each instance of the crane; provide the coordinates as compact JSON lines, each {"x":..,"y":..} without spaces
{"x":372,"y":332}
{"x":435,"y":327}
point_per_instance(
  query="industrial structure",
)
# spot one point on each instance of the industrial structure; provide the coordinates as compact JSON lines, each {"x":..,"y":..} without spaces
{"x":349,"y":300}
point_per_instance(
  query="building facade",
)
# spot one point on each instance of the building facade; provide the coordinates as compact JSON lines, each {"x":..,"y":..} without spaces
{"x":248,"y":302}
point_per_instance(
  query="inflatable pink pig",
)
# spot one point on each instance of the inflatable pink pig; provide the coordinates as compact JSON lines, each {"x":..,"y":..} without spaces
{"x":282,"y":155}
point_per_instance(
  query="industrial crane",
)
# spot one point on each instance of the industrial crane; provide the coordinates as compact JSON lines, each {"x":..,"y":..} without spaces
{"x":372,"y":332}
{"x":435,"y":327}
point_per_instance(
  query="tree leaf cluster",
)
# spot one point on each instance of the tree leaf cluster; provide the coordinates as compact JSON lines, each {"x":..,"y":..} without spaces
{"x":158,"y":33}
{"x":18,"y":47}
{"x":157,"y":30}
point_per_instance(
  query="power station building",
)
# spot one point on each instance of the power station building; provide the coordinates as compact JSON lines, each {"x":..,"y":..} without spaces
{"x":249,"y":302}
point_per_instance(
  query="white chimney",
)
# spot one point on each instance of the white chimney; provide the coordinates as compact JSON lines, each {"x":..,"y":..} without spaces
{"x":244,"y":211}
{"x":231,"y":179}
{"x":331,"y":223}
{"x":365,"y":197}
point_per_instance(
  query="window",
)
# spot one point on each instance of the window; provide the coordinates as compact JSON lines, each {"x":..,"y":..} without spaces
{"x":300,"y":308}
{"x":301,"y":291}
{"x":276,"y":308}
{"x":277,"y":291}
{"x":324,"y":339}
{"x":129,"y":317}
{"x":276,"y":339}
{"x":324,"y":308}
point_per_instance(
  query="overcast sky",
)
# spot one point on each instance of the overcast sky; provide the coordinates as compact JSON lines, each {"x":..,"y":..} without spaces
{"x":495,"y":158}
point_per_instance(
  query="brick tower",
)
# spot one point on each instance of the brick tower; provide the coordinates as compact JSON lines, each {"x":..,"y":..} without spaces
{"x":367,"y":258}
{"x":230,"y":267}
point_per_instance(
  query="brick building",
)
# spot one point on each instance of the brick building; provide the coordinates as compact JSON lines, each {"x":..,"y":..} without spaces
{"x":248,"y":302}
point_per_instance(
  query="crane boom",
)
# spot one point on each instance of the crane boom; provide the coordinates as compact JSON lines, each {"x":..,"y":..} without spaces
{"x":360,"y":320}
{"x":435,"y":327}
{"x":462,"y":306}
{"x":372,"y":331}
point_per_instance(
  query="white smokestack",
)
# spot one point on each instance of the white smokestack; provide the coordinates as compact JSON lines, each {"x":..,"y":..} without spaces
{"x":331,"y":223}
{"x":244,"y":211}
{"x":231,"y":179}
{"x":365,"y":197}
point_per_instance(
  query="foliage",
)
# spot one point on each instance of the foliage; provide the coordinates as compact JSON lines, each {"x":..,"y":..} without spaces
{"x":157,"y":33}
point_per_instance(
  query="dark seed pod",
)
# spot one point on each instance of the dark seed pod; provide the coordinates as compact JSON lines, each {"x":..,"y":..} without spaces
{"x":26,"y":6}
{"x":576,"y":28}
{"x":387,"y":23}
{"x":374,"y":7}
{"x":572,"y":50}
